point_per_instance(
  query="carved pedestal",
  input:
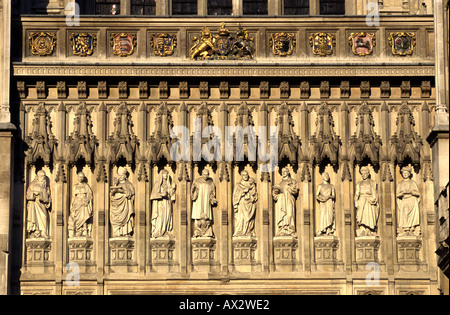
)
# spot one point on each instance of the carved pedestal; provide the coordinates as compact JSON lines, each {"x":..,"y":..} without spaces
{"x":367,"y":249}
{"x":162,"y":249}
{"x":326,"y":251}
{"x":203,"y":253}
{"x":38,"y":255}
{"x":409,"y":249}
{"x":80,"y":251}
{"x":122,"y":252}
{"x":244,"y":249}
{"x":284,"y":253}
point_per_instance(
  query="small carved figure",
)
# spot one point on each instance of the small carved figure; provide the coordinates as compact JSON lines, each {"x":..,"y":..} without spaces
{"x":203,"y":194}
{"x":326,"y":196}
{"x":162,"y":198}
{"x":244,"y":204}
{"x":408,"y":198}
{"x":80,"y":219}
{"x":366,"y":203}
{"x":38,"y":206}
{"x":285,"y":194}
{"x":122,"y":205}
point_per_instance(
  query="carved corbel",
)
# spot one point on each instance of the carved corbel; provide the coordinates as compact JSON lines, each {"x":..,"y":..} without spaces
{"x":365,"y":89}
{"x":61,"y":89}
{"x":164,"y":91}
{"x":385,"y":89}
{"x":102,"y":90}
{"x":123,"y":89}
{"x":204,"y":89}
{"x":41,"y":141}
{"x":305,"y":91}
{"x":122,"y":142}
{"x":41,"y":89}
{"x":345,"y":89}
{"x":425,"y":88}
{"x":184,"y":89}
{"x":264,"y":89}
{"x":82,"y":141}
{"x":405,"y":88}
{"x":244,"y":89}
{"x":324,"y":143}
{"x":224,"y":90}
{"x":143,"y":89}
{"x":285,"y":90}
{"x":82,"y":90}
{"x":324,"y":89}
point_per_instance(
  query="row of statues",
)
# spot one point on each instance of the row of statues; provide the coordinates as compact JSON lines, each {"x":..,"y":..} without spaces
{"x":203,"y":196}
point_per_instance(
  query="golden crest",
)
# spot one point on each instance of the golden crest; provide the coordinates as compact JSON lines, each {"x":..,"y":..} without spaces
{"x":362,"y":43}
{"x":322,"y":43}
{"x":163,"y":44}
{"x":123,"y":44}
{"x":42,"y":43}
{"x":83,"y":44}
{"x":282,"y":44}
{"x":402,"y":43}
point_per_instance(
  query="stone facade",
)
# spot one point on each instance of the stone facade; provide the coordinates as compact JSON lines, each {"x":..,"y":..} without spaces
{"x":97,"y":190}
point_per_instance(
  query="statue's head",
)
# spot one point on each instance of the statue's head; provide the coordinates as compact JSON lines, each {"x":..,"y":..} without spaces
{"x":406,"y":172}
{"x":365,"y":172}
{"x":205,"y":173}
{"x":285,"y":172}
{"x":165,"y":174}
{"x":122,"y":172}
{"x":81,"y":177}
{"x":244,"y":175}
{"x":326,"y":176}
{"x":41,"y":177}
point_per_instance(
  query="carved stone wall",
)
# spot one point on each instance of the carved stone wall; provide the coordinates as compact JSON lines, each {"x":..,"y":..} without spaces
{"x":101,"y":195}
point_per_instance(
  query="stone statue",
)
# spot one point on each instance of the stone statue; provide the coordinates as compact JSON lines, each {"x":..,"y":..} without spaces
{"x":80,"y":219}
{"x":244,"y":205}
{"x":38,"y":206}
{"x":162,"y":198}
{"x":285,"y":194}
{"x":122,"y":205}
{"x":203,"y":194}
{"x":408,"y":198}
{"x":326,"y":196}
{"x":366,"y":203}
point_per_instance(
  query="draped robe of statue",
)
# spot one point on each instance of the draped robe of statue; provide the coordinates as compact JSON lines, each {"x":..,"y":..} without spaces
{"x":80,"y":210}
{"x":284,"y":195}
{"x":38,"y":205}
{"x":122,"y":208}
{"x":203,"y":195}
{"x":408,"y":198}
{"x":244,"y":203}
{"x":326,"y":195}
{"x":162,"y":197}
{"x":366,"y":201}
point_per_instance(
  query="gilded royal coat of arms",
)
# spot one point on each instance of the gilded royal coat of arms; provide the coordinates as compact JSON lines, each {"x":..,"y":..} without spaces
{"x":83,"y":44}
{"x":322,"y":43}
{"x":123,"y":44}
{"x":42,"y":43}
{"x":223,"y":46}
{"x":282,"y":44}
{"x":402,"y":43}
{"x":362,"y":43}
{"x":163,"y":44}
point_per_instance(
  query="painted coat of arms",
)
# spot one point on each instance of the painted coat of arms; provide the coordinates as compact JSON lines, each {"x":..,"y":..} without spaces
{"x":282,"y":44}
{"x":322,"y":43}
{"x":223,"y":46}
{"x":402,"y":43}
{"x":83,"y":44}
{"x":42,"y":43}
{"x":362,"y":43}
{"x":163,"y":44}
{"x":123,"y":44}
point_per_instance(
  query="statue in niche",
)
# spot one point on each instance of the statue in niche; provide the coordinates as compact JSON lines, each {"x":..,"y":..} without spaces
{"x":244,"y":205}
{"x":38,"y":206}
{"x":408,"y":198}
{"x":122,"y":205}
{"x":285,"y":194}
{"x":326,"y":196}
{"x":366,"y":203}
{"x":80,"y":219}
{"x":203,"y":195}
{"x":162,"y":198}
